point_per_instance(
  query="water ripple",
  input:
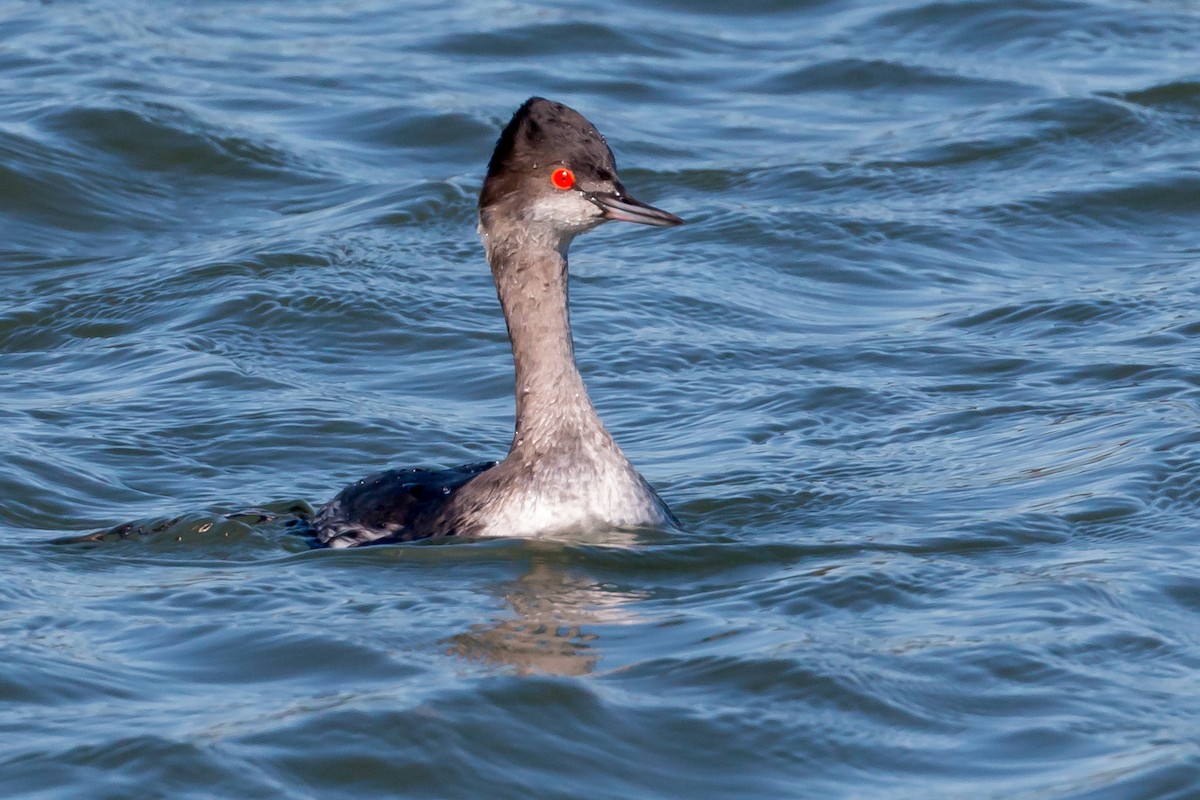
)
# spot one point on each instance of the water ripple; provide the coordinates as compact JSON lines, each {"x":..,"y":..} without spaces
{"x":919,"y":378}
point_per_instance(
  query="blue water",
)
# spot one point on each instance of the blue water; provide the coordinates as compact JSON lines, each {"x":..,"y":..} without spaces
{"x":921,"y":378}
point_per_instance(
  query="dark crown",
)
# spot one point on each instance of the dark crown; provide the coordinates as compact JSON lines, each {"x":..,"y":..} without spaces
{"x":544,"y":132}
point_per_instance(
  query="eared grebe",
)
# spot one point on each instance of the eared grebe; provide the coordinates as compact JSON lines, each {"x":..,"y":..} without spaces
{"x":550,"y":178}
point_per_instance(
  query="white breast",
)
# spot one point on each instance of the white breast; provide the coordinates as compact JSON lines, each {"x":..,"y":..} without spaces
{"x":579,"y":497}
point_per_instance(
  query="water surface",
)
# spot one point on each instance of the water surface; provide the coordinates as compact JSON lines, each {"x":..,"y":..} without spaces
{"x":921,"y":378}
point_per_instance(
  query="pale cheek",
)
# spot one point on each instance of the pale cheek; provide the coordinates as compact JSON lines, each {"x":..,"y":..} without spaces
{"x":568,"y":210}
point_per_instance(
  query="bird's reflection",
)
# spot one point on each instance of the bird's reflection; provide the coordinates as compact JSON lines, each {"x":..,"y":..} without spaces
{"x":550,"y":623}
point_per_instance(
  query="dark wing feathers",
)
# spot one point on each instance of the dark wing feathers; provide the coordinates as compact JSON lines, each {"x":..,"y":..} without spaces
{"x":399,"y":505}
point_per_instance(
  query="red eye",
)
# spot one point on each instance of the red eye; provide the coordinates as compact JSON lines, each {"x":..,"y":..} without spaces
{"x":563,"y":178}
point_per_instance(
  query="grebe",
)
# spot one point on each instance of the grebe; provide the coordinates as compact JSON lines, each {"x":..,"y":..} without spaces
{"x":551,"y":178}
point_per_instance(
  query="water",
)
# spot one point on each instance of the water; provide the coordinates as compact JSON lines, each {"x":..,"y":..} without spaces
{"x":921,"y":378}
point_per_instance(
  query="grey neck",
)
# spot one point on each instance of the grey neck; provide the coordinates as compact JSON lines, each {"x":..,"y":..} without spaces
{"x":553,"y":408}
